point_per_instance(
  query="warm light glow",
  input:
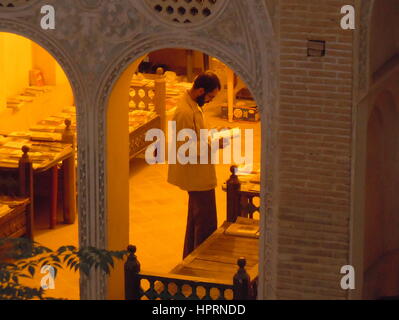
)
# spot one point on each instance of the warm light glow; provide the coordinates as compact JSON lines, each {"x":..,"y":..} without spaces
{"x":15,"y":62}
{"x":18,"y":57}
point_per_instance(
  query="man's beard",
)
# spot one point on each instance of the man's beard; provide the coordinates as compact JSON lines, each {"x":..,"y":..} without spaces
{"x":201,"y":100}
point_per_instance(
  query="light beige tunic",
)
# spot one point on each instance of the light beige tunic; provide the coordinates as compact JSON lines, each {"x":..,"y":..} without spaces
{"x":191,"y":177}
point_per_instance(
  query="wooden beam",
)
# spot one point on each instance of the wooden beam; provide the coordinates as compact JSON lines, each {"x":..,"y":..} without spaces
{"x":190,"y":66}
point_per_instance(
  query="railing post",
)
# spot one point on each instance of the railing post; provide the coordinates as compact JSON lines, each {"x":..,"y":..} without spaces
{"x":160,"y":97}
{"x":25,"y":174}
{"x":68,"y":136}
{"x":69,"y":176}
{"x":26,"y":187}
{"x":241,"y":282}
{"x":132,"y":281}
{"x":233,"y":195}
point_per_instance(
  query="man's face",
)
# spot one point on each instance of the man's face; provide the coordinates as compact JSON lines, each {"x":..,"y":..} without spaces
{"x":206,"y":97}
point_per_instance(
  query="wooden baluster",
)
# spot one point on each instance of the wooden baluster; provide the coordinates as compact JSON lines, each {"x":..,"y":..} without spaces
{"x":69,"y":175}
{"x":193,"y":295}
{"x":68,"y":136}
{"x":132,"y":281}
{"x":160,"y":97}
{"x":244,"y":206}
{"x":230,"y":94}
{"x":207,"y":293}
{"x":151,"y":292}
{"x":160,"y":72}
{"x":179,"y":292}
{"x":233,"y":196}
{"x":241,"y":282}
{"x":165,"y":294}
{"x":26,"y":187}
{"x":54,"y":196}
{"x":223,"y":293}
{"x":190,"y":65}
{"x":251,"y":207}
{"x":206,"y":62}
{"x":25,"y":166}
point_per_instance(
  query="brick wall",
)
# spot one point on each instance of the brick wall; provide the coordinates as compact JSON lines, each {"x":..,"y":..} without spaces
{"x":315,"y":141}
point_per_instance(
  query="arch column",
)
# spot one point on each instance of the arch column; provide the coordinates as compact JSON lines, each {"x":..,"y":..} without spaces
{"x":91,"y":222}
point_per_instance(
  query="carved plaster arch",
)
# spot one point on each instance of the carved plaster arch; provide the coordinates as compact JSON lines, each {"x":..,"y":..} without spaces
{"x":80,"y":97}
{"x":199,"y":21}
{"x":18,"y":6}
{"x":259,"y":73}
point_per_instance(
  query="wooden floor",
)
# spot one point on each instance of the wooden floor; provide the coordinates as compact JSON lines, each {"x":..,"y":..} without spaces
{"x":158,"y":213}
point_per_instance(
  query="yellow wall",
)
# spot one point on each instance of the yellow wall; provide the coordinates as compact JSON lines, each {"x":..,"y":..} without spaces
{"x":118,"y":175}
{"x":18,"y":55}
{"x":15,"y":61}
{"x":65,"y":96}
{"x":44,"y":62}
{"x":2,"y":79}
{"x":60,"y":75}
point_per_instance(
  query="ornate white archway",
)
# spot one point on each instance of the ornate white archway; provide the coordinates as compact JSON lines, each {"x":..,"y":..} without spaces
{"x":95,"y":41}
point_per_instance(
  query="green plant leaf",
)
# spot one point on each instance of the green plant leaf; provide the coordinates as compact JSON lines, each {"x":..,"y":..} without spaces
{"x":70,"y":261}
{"x":62,"y":249}
{"x":55,"y":258}
{"x":45,"y":262}
{"x":30,"y":255}
{"x":31,"y":271}
{"x":57,"y":265}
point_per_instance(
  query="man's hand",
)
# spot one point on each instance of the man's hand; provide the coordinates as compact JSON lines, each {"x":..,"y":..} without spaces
{"x":223,"y":143}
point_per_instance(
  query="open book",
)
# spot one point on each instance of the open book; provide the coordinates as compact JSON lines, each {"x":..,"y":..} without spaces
{"x":244,"y":227}
{"x":227,"y":133}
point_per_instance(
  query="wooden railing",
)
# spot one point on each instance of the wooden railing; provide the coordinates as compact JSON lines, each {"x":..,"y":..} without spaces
{"x":151,"y":98}
{"x":147,"y":98}
{"x":240,"y":202}
{"x":142,"y":285}
{"x":179,"y":287}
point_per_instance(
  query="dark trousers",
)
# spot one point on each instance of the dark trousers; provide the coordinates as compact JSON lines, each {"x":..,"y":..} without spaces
{"x":201,"y":219}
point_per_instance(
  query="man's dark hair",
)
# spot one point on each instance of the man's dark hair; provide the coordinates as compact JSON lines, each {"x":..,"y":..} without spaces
{"x":207,"y":80}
